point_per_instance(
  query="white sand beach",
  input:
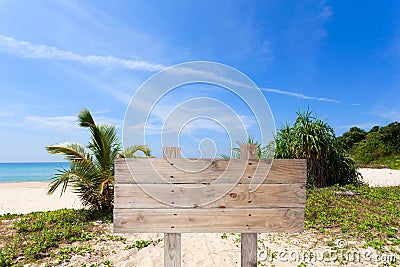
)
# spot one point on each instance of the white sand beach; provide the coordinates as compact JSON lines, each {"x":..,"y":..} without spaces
{"x":27,"y":197}
{"x":197,"y":249}
{"x":31,"y":196}
{"x":381,"y":177}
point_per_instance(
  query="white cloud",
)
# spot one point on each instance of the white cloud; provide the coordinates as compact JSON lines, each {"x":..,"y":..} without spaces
{"x":326,"y":12}
{"x":299,"y":95}
{"x":6,"y":114}
{"x":208,"y":75}
{"x":101,"y":111}
{"x":61,"y":122}
{"x":390,"y":114}
{"x":65,"y":122}
{"x":385,"y":112}
{"x":26,"y":49}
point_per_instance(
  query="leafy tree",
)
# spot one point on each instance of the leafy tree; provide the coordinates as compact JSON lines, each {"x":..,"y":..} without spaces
{"x":390,"y":135}
{"x":351,"y":138}
{"x":379,"y":144}
{"x":91,"y":171}
{"x":374,"y":129}
{"x":313,"y":139}
{"x":372,"y":148}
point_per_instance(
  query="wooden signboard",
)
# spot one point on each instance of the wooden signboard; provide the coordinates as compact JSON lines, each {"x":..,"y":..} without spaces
{"x":156,"y":195}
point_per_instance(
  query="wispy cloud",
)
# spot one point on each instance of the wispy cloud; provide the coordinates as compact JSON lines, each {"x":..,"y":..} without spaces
{"x":385,"y":112}
{"x":299,"y":95}
{"x":101,"y":111}
{"x":390,"y":114}
{"x":60,"y":122}
{"x":326,"y":12}
{"x":208,"y":75}
{"x":6,"y":114}
{"x":65,"y":122}
{"x":26,"y":49}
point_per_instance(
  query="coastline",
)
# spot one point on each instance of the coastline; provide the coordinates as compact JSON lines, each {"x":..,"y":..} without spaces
{"x":26,"y":197}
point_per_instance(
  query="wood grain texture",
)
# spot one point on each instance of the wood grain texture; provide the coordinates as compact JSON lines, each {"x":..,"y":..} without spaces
{"x":172,"y":241}
{"x":172,"y":250}
{"x":248,"y":242}
{"x":151,"y":171}
{"x":171,"y":152}
{"x":248,"y":151}
{"x":129,"y":196}
{"x":277,"y":205}
{"x":208,"y":220}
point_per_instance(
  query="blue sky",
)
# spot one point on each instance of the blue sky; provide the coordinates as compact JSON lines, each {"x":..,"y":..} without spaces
{"x":341,"y":58}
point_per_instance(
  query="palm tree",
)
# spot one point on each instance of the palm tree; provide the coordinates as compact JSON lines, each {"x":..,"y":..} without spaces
{"x":91,"y":171}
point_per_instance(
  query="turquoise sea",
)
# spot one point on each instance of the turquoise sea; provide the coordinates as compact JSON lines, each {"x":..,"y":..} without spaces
{"x":29,"y":172}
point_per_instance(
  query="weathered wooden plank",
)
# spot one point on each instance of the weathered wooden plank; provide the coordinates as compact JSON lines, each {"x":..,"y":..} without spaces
{"x":266,"y":196}
{"x":248,"y":242}
{"x":248,"y":151}
{"x":209,"y":171}
{"x":172,"y":250}
{"x":208,"y":220}
{"x":171,"y":152}
{"x":172,"y":241}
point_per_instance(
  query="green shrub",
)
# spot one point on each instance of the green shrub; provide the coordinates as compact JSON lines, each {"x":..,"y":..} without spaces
{"x":313,"y":139}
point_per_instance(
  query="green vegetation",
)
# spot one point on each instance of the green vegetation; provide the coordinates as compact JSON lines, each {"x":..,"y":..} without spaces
{"x":91,"y":171}
{"x":380,"y":147}
{"x":139,"y":244}
{"x":32,"y":237}
{"x":313,"y":139}
{"x":369,"y":214}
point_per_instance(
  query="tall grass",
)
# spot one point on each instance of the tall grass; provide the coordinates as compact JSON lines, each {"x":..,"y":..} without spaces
{"x":313,"y":139}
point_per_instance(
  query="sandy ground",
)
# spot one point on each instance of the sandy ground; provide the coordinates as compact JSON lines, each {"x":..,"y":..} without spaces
{"x":381,"y":177}
{"x":29,"y":197}
{"x":215,"y":250}
{"x":197,"y":249}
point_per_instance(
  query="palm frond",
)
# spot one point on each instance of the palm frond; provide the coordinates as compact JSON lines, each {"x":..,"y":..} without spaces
{"x":71,"y":151}
{"x":130,"y":151}
{"x":62,"y":177}
{"x":104,"y":145}
{"x":85,"y":118}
